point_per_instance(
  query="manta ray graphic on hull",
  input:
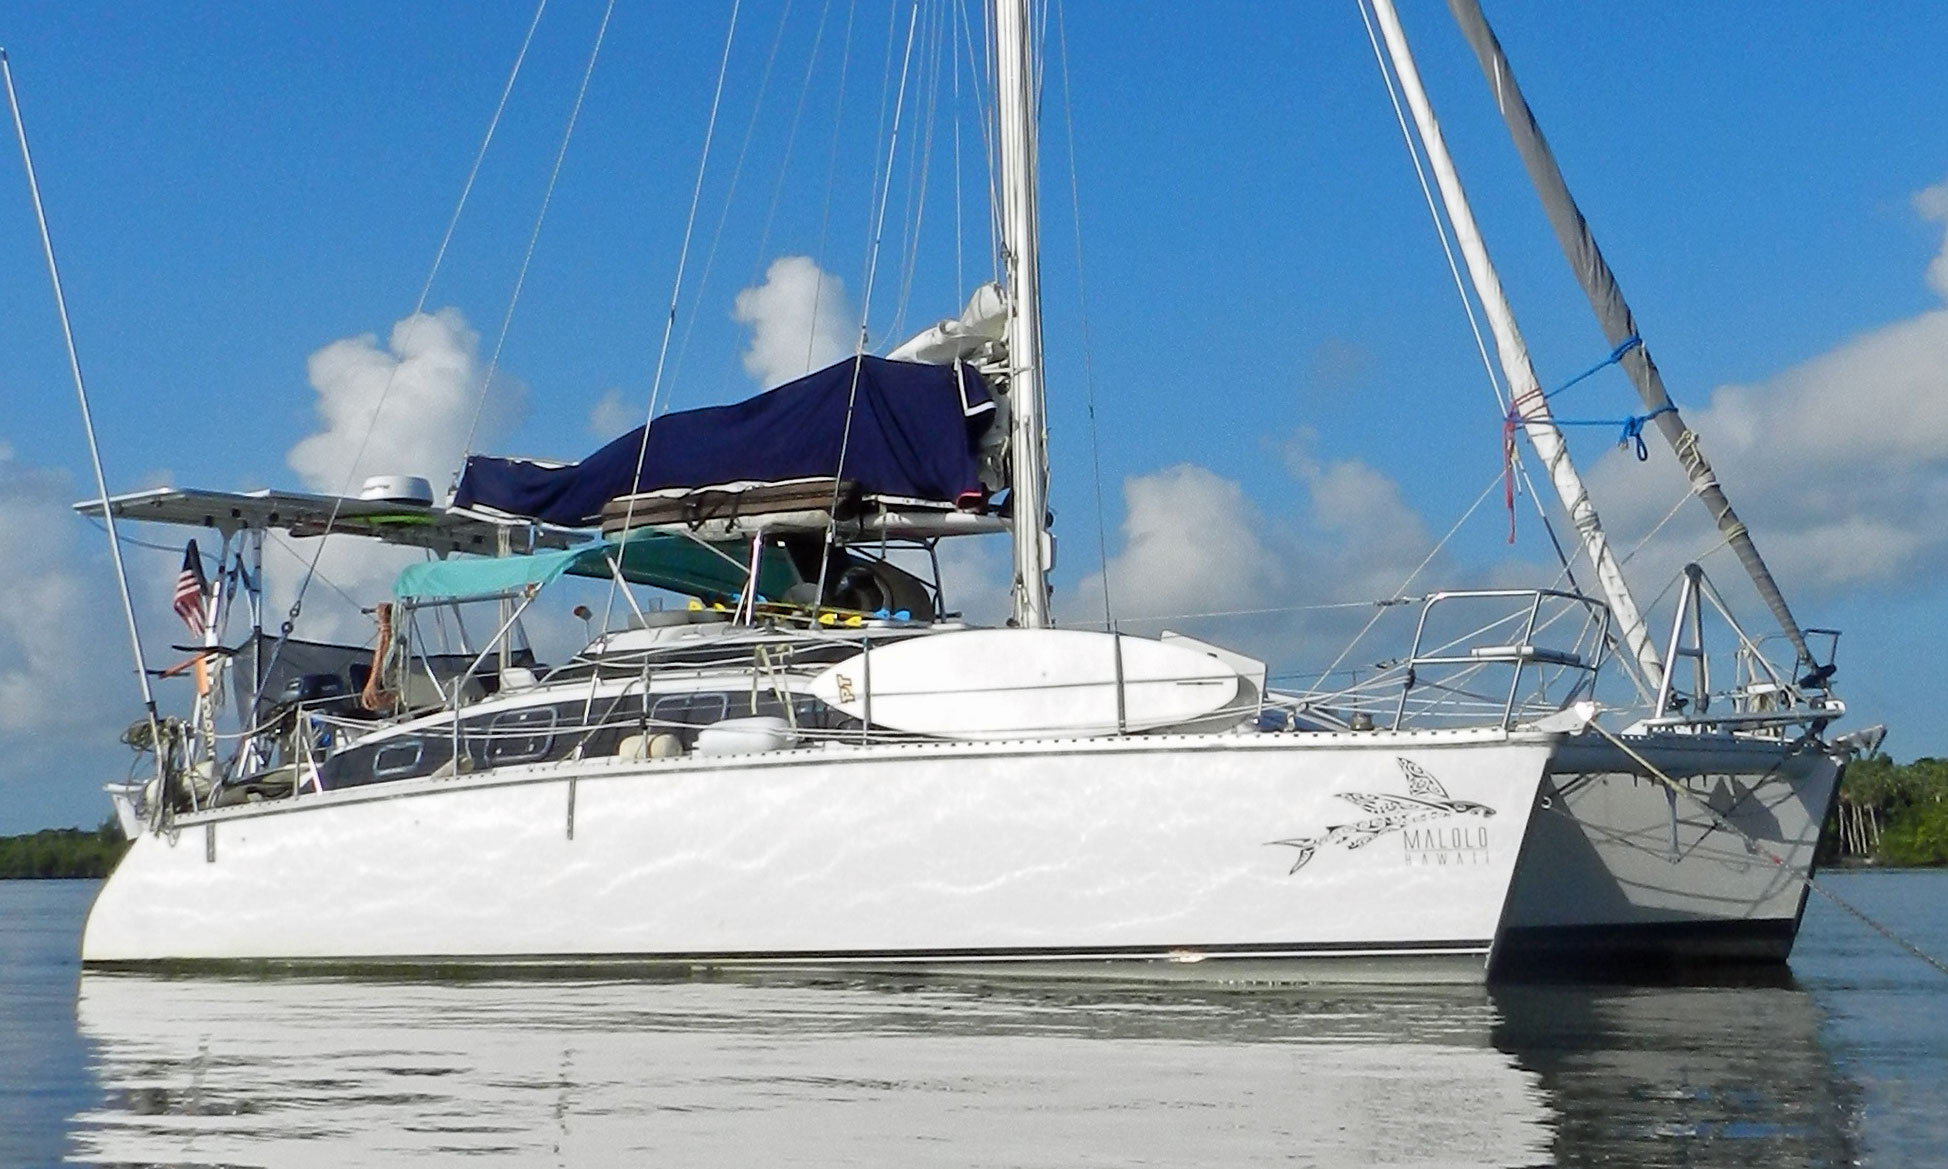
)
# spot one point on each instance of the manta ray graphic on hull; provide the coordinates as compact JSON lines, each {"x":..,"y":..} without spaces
{"x":1426,"y":799}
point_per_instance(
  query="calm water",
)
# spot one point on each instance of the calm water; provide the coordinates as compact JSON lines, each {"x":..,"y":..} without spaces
{"x":1846,"y":1063}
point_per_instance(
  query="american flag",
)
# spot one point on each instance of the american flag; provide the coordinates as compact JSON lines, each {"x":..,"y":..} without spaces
{"x":191,"y":584}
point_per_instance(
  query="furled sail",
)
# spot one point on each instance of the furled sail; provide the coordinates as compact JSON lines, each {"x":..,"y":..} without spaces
{"x":1613,"y":312}
{"x":898,"y":429}
{"x":982,"y":325}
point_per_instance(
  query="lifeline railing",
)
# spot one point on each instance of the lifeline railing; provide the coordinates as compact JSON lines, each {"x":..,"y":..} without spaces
{"x":1477,"y":657}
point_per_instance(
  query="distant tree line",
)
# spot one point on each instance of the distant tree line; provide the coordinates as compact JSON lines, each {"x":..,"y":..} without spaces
{"x":1893,"y":813}
{"x":63,"y":852}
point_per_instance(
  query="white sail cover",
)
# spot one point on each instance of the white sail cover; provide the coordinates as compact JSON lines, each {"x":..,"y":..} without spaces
{"x":983,"y":322}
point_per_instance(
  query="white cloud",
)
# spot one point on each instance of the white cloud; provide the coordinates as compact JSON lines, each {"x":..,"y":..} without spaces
{"x":66,"y":681}
{"x":611,"y":416}
{"x":1192,"y":543}
{"x":403,"y":408}
{"x":52,"y":665}
{"x":1931,"y":203}
{"x":66,"y":689}
{"x":1197,"y":550}
{"x":1839,"y":465}
{"x":800,"y":319}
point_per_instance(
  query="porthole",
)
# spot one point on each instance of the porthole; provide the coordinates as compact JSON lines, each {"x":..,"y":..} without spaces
{"x":396,"y":759}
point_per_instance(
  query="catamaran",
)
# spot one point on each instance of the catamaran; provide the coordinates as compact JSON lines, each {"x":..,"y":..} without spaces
{"x":815,"y":761}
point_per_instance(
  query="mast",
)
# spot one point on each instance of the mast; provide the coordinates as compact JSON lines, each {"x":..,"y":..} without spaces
{"x":1525,"y":391}
{"x":1606,"y":300}
{"x":1014,"y":82}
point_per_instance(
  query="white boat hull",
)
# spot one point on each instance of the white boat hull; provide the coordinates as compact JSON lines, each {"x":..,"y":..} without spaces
{"x":1156,"y":849}
{"x":1620,"y":868}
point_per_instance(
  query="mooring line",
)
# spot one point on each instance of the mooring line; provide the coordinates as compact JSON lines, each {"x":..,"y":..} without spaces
{"x":1804,"y":878}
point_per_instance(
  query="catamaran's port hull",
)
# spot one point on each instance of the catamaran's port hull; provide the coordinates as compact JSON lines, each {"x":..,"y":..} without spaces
{"x":1624,"y":874}
{"x":1145,"y":857}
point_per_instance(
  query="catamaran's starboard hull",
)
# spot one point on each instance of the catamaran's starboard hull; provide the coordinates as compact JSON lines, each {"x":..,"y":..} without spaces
{"x":1162,"y":856}
{"x":1623,"y":872}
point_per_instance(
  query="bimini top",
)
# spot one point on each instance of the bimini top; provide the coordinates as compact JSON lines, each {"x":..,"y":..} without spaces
{"x":914,"y":434}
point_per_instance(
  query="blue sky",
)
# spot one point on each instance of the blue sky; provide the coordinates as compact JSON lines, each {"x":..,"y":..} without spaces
{"x":1288,"y":398}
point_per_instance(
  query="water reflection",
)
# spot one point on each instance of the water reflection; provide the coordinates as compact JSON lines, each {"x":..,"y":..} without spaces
{"x":274,"y":1072}
{"x":1692,"y":1076}
{"x":304,"y":1071}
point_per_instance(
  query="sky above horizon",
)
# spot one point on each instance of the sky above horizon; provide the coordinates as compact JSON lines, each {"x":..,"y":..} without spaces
{"x":246,"y":202}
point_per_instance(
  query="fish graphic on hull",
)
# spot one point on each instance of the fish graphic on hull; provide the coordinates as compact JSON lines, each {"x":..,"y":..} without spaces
{"x":1386,"y":812}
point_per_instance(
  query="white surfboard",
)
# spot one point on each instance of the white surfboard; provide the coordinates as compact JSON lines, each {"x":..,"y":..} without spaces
{"x":1027,"y":683}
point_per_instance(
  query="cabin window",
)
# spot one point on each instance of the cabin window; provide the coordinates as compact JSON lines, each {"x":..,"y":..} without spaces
{"x":396,"y":759}
{"x":520,"y":736}
{"x":683,"y":714}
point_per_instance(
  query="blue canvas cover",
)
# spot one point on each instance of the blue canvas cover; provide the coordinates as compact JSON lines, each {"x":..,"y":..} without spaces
{"x":915,"y":429}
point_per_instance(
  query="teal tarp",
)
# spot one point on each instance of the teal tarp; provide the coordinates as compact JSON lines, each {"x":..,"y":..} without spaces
{"x":481,"y":576}
{"x":659,"y":559}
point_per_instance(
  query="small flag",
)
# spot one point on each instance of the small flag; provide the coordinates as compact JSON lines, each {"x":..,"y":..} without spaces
{"x":191,"y":584}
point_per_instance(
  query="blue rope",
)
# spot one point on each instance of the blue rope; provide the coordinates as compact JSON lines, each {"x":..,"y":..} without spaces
{"x":1632,"y":427}
{"x":1616,"y":355}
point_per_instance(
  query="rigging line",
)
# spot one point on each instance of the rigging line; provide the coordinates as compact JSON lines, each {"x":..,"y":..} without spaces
{"x":730,"y":192}
{"x":879,"y":131}
{"x":886,"y":190}
{"x":412,"y":321}
{"x":953,"y":57}
{"x":876,"y":202}
{"x":1384,"y":603}
{"x":791,"y":139}
{"x":1428,"y":559}
{"x":1503,"y":402}
{"x":918,"y":162}
{"x":534,"y":238}
{"x":831,"y":172}
{"x":1567,"y":572}
{"x":1441,"y":232}
{"x":1433,"y":209}
{"x":989,"y":51}
{"x":866,"y":302}
{"x":1082,"y":295}
{"x":132,"y":542}
{"x":939,"y":57}
{"x":689,"y":234}
{"x":87,"y":417}
{"x":676,"y":284}
{"x":1650,"y":535}
{"x":296,"y":555}
{"x":907,"y":222}
{"x":985,"y":80}
{"x":1717,"y":546}
{"x":784,"y":163}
